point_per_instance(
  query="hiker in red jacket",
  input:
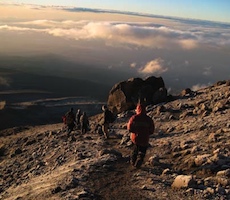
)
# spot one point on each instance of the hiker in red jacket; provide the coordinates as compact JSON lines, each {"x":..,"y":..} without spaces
{"x":141,"y":127}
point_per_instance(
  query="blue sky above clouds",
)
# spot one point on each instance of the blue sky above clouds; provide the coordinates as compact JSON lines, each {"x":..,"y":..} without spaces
{"x":217,"y":10}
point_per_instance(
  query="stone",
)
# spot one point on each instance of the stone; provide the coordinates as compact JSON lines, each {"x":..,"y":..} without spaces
{"x":161,"y":109}
{"x":82,"y":194}
{"x":56,"y":190}
{"x":144,"y":187}
{"x":154,"y":160}
{"x":159,"y":96}
{"x":209,"y":190}
{"x":185,"y":92}
{"x":225,"y":173}
{"x":166,"y":172}
{"x":183,"y":181}
{"x":222,"y":181}
{"x":218,"y":83}
{"x":220,"y":190}
{"x":201,"y":159}
{"x":213,"y":137}
{"x":126,"y":94}
{"x":203,"y":107}
{"x":228,"y":83}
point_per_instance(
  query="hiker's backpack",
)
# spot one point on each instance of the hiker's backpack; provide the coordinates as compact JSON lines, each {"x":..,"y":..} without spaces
{"x":69,"y":118}
{"x":111,"y":116}
{"x":64,"y":119}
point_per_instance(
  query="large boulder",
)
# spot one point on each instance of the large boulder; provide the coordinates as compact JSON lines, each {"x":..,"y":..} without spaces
{"x":126,"y":94}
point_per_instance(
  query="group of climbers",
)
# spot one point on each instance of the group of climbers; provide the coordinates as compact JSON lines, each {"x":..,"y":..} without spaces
{"x":79,"y":121}
{"x":140,"y":126}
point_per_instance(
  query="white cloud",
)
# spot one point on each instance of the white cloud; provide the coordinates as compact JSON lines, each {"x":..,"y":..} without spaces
{"x":145,"y":36}
{"x":199,"y":86}
{"x":125,"y":33}
{"x":188,"y":44}
{"x":112,"y":33}
{"x":14,"y":28}
{"x":133,"y":65}
{"x":43,"y":22}
{"x":186,"y":62}
{"x":207,"y":71}
{"x":153,"y":67}
{"x":64,"y":24}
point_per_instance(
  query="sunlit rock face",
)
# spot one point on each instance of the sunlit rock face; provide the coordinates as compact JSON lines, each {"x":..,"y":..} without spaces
{"x":126,"y":94}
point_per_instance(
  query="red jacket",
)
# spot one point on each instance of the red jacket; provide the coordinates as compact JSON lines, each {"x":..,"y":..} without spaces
{"x":141,"y":127}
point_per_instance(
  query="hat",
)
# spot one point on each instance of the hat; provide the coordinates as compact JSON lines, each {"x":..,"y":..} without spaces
{"x":104,"y":107}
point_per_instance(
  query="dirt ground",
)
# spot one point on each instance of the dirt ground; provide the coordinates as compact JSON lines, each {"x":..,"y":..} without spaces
{"x":120,"y":181}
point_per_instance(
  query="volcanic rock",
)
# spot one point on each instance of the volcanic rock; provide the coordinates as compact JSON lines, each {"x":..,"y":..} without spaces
{"x":126,"y":94}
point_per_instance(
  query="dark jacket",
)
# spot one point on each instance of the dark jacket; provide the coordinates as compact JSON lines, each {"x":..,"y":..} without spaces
{"x":70,"y":117}
{"x":106,"y":117}
{"x":84,"y":120}
{"x":141,"y":127}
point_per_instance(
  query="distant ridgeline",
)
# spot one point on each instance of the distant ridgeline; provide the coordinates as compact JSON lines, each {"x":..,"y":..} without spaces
{"x":44,"y":111}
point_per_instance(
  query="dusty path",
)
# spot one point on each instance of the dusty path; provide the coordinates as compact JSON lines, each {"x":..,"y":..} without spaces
{"x":117,"y":181}
{"x":121,"y":181}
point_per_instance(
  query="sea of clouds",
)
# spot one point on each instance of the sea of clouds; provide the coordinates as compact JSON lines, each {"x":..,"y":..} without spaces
{"x":167,"y":47}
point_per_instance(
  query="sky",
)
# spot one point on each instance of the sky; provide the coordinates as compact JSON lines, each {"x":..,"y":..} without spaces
{"x":214,"y":10}
{"x":185,"y":52}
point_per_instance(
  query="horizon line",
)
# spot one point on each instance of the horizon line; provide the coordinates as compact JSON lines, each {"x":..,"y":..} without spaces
{"x":100,"y":10}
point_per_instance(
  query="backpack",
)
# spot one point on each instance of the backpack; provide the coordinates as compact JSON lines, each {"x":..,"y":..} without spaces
{"x":64,"y":119}
{"x":69,"y":118}
{"x":111,"y":117}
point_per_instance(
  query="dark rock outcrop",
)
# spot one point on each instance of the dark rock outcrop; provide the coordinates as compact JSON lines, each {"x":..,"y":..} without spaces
{"x":126,"y":94}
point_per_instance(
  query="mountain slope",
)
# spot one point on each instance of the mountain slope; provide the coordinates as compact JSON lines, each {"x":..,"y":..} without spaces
{"x":192,"y":138}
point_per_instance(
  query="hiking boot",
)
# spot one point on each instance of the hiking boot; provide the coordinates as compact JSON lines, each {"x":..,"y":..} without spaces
{"x":138,"y":163}
{"x":106,"y":137}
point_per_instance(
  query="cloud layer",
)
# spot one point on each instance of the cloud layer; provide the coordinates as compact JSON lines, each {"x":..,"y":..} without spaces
{"x":147,"y":35}
{"x":181,"y":50}
{"x":153,"y":67}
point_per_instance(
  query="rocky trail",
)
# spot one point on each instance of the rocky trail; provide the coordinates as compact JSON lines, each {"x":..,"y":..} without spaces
{"x":55,"y":171}
{"x":122,"y":181}
{"x":188,"y":156}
